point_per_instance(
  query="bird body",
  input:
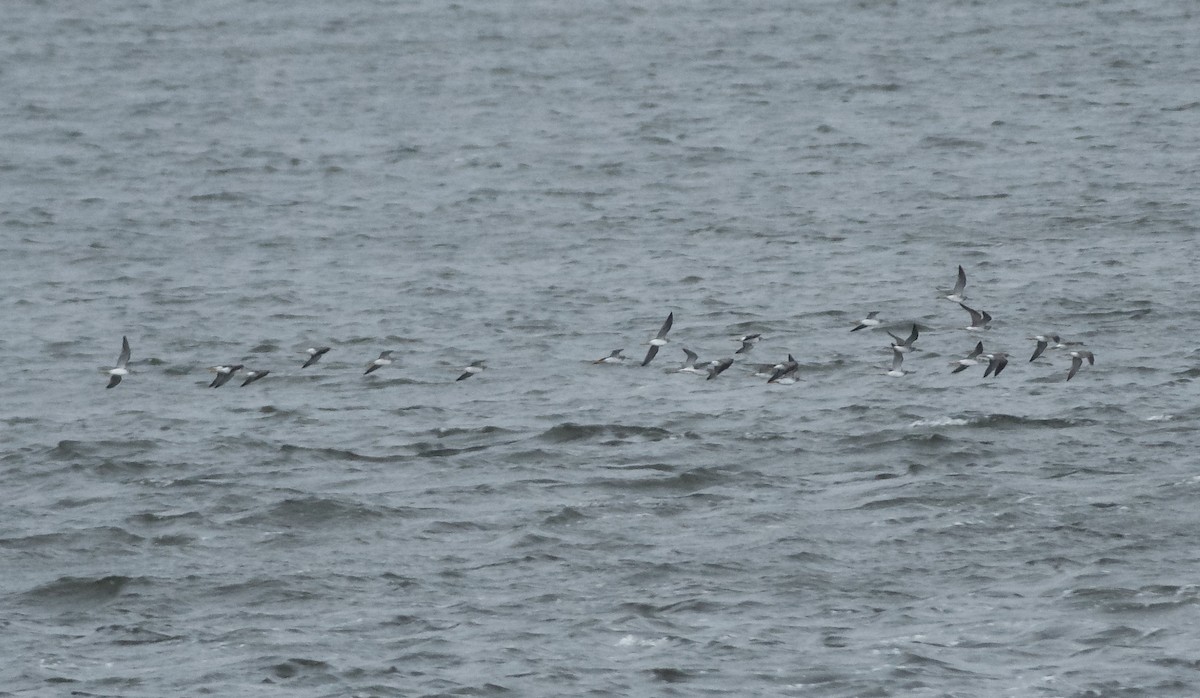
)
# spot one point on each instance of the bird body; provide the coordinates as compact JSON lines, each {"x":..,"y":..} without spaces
{"x":971,"y":360}
{"x":475,"y":367}
{"x":252,"y":376}
{"x":224,"y":373}
{"x":385,"y":359}
{"x":314,"y":355}
{"x":121,"y":370}
{"x":868,"y":321}
{"x":1077,"y":358}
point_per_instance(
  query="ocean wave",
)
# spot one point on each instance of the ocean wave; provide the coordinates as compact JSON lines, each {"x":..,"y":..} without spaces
{"x":618,"y":433}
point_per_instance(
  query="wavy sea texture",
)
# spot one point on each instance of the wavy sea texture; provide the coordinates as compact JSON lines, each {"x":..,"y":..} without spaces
{"x":535,"y":185}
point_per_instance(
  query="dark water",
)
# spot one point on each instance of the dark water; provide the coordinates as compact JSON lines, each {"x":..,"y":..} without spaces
{"x":536,"y":184}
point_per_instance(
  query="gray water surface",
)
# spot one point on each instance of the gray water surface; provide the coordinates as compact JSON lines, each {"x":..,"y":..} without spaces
{"x":536,"y":184}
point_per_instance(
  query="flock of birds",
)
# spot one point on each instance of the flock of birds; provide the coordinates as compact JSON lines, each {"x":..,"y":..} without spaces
{"x":782,"y":372}
{"x":227,"y":371}
{"x":785,"y":371}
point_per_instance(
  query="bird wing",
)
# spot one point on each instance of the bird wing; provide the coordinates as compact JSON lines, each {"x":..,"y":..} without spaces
{"x":123,"y":359}
{"x":961,"y":282}
{"x":666,"y":326}
{"x":650,"y":354}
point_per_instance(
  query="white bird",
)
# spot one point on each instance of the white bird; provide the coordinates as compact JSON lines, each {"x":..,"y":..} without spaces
{"x":659,"y":340}
{"x":385,"y":359}
{"x":1077,"y":358}
{"x":692,"y":363}
{"x":475,"y":367}
{"x":980,"y":320}
{"x":971,"y":360}
{"x":122,"y":368}
{"x":613,"y":358}
{"x":868,"y":321}
{"x":897,"y":362}
{"x":904,"y":345}
{"x":960,"y":284}
{"x":314,"y":355}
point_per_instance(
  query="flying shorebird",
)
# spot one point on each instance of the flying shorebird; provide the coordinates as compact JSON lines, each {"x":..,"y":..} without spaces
{"x":385,"y":359}
{"x":897,"y":362}
{"x":121,"y":370}
{"x":475,"y":367}
{"x":613,"y":358}
{"x":224,"y":373}
{"x":659,"y":340}
{"x":716,"y":367}
{"x":786,"y":370}
{"x":980,"y":320}
{"x":868,"y":321}
{"x":1043,"y":341}
{"x":960,"y":284}
{"x":314,"y":355}
{"x":1077,"y":358}
{"x":748,"y":342}
{"x":252,"y":376}
{"x":692,"y":363}
{"x":904,"y":345}
{"x":971,"y":360}
{"x":996,"y":363}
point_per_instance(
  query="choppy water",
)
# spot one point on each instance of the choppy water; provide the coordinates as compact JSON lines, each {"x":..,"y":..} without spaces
{"x":537,"y":184}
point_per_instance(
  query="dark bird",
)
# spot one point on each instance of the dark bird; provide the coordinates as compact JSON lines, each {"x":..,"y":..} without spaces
{"x":980,"y":320}
{"x":385,"y":359}
{"x":252,"y":376}
{"x":1043,"y":341}
{"x":748,"y":342}
{"x":996,"y":364}
{"x":717,"y":367}
{"x":1077,"y":358}
{"x":224,"y":373}
{"x":475,"y":367}
{"x":314,"y":355}
{"x":784,"y":370}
